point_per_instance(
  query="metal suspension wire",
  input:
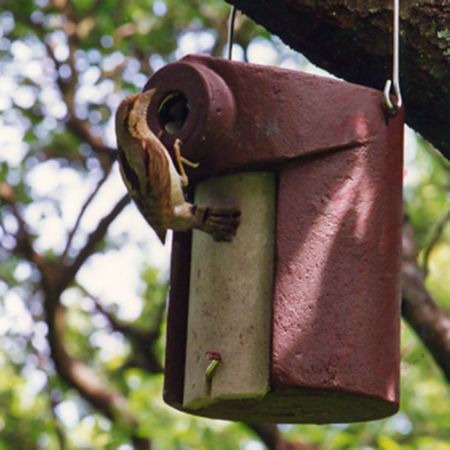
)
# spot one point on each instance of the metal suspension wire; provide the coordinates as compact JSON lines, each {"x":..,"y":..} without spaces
{"x":394,"y":103}
{"x":231,"y":22}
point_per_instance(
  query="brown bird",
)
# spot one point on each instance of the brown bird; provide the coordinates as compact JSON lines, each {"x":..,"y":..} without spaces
{"x":153,"y":181}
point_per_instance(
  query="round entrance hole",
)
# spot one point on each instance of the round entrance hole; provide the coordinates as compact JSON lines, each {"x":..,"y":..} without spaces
{"x":173,"y":112}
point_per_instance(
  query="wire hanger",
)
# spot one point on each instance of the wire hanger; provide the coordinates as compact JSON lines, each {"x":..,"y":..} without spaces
{"x":230,"y":39}
{"x":394,"y":103}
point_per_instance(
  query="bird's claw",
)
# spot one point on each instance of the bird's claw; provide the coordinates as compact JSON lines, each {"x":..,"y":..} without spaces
{"x":222,"y":223}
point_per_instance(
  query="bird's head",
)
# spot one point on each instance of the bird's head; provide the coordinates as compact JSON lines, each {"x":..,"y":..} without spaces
{"x":123,"y":112}
{"x":132,"y":113}
{"x":131,"y":131}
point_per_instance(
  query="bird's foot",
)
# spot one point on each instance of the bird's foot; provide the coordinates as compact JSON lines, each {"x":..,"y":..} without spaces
{"x":182,"y":161}
{"x":220,"y":223}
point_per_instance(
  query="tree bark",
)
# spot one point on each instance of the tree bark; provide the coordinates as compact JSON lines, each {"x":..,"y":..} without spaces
{"x":104,"y":398}
{"x":419,"y":309}
{"x":353,"y":40}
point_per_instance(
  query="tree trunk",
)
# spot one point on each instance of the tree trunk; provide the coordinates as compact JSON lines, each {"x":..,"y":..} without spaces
{"x":353,"y":40}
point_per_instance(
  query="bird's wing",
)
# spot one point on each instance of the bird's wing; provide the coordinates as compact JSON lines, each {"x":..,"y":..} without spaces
{"x":158,"y":188}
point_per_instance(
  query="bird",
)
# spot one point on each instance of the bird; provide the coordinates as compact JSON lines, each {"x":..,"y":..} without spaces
{"x":153,"y":182}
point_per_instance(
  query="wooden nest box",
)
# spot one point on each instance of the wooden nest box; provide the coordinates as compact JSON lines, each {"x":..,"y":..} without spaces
{"x":303,"y":307}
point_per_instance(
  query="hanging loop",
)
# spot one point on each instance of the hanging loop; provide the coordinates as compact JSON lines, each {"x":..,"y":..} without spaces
{"x":231,"y":21}
{"x":394,"y":102}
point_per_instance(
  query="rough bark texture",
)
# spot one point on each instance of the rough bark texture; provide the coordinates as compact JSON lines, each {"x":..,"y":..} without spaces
{"x":419,"y":309}
{"x":352,"y":39}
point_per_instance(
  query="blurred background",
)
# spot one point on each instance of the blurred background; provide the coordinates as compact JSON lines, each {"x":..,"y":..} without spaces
{"x":83,"y":279}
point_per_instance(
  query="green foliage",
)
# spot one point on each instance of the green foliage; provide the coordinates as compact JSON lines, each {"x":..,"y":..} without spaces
{"x":428,"y":193}
{"x":445,"y":35}
{"x":427,"y":196}
{"x":116,"y":45}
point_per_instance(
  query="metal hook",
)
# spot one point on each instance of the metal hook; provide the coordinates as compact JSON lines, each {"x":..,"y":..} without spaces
{"x":394,"y":103}
{"x":231,"y":21}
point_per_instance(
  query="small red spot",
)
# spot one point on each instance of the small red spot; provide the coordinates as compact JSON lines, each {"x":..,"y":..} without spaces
{"x":405,"y":173}
{"x":214,"y":355}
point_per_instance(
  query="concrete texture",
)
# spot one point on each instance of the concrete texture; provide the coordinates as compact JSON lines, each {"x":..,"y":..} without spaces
{"x":337,"y":157}
{"x":230,"y":296}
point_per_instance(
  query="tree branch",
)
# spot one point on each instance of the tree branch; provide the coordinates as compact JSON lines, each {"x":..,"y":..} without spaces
{"x":270,"y":435}
{"x":353,"y":40}
{"x":83,"y":210}
{"x":68,"y":87}
{"x":429,"y":321}
{"x":142,"y":342}
{"x":94,"y":238}
{"x":433,"y":239}
{"x":24,"y":241}
{"x":105,"y":399}
{"x":59,"y":431}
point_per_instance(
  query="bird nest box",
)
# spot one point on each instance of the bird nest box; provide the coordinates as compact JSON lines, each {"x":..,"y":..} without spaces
{"x":298,"y":318}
